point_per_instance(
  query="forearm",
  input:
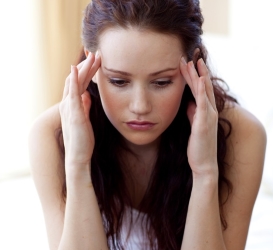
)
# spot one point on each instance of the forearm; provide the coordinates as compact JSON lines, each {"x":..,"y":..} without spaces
{"x":203,"y":225}
{"x":83,"y":227}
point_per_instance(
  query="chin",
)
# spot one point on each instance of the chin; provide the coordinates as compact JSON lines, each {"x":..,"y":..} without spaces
{"x":142,"y":140}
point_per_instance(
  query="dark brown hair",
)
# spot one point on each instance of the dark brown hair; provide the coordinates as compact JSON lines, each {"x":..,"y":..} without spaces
{"x":167,"y":197}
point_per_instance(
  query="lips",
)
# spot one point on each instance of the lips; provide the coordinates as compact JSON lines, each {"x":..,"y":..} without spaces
{"x":140,"y":122}
{"x":140,"y":125}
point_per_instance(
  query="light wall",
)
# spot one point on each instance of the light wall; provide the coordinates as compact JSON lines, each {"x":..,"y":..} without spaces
{"x":217,"y":16}
{"x":40,"y":40}
{"x":59,"y":35}
{"x":243,"y":58}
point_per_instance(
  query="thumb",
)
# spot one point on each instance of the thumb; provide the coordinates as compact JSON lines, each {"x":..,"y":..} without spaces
{"x":86,"y":100}
{"x":191,"y":111}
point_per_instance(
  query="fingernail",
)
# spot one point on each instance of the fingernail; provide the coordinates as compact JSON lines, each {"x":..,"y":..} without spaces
{"x":183,"y":60}
{"x":97,"y":54}
{"x":89,"y":55}
{"x":73,"y":68}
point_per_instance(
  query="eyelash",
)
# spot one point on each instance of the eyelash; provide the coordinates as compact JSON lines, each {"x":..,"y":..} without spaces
{"x":122,"y":83}
{"x":162,"y":84}
{"x":117,"y":83}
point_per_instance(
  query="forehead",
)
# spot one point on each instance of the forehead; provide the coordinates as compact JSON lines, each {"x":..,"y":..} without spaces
{"x":132,"y":48}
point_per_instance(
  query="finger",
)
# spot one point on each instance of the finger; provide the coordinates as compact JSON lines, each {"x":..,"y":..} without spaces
{"x":185,"y":73}
{"x":88,"y":62}
{"x":79,"y":66}
{"x":201,"y":100}
{"x":74,"y":88}
{"x":193,"y":76}
{"x":66,"y":87}
{"x":86,"y":100}
{"x":203,"y":71}
{"x":92,"y":71}
{"x":67,"y":82}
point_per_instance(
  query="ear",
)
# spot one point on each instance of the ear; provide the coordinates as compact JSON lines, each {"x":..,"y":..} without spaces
{"x":196,"y":55}
{"x":86,"y":51}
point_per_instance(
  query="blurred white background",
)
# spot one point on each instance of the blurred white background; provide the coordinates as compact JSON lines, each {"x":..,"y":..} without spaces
{"x":239,"y":38}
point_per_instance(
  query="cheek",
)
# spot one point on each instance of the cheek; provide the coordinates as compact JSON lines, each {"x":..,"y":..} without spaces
{"x":111,"y":102}
{"x":170,"y":108}
{"x":108,"y":100}
{"x":169,"y":105}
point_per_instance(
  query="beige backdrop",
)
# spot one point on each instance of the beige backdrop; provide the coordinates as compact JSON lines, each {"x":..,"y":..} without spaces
{"x":217,"y":15}
{"x":58,"y":30}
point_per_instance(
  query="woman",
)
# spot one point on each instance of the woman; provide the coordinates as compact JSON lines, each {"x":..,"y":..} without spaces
{"x":154,"y":154}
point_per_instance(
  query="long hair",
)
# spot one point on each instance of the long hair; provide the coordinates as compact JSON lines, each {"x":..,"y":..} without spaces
{"x":167,"y":197}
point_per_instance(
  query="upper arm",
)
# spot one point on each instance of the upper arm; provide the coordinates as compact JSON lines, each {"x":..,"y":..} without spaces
{"x":246,"y":152}
{"x":47,"y":171}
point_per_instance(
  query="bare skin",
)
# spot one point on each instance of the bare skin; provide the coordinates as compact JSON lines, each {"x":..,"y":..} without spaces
{"x":66,"y":230}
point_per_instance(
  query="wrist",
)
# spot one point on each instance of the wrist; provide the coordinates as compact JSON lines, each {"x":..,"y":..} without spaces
{"x":204,"y":193}
{"x":206,"y":172}
{"x":77,"y":173}
{"x":205,"y":186}
{"x":206,"y":178}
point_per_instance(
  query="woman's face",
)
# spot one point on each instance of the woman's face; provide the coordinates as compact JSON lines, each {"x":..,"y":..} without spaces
{"x":139,"y":81}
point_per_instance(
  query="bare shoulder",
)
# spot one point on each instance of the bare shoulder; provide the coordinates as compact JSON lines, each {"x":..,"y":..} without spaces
{"x":50,"y":118}
{"x":42,"y":139}
{"x":241,"y":118}
{"x":248,"y":135}
{"x":44,"y":150}
{"x":245,"y":158}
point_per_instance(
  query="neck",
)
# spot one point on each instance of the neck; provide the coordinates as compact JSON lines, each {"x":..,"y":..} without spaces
{"x":138,"y":165}
{"x":143,"y":151}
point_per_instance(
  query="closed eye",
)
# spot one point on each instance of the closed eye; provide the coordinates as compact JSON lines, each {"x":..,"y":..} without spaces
{"x":117,"y":82}
{"x":121,"y":82}
{"x":162,"y":84}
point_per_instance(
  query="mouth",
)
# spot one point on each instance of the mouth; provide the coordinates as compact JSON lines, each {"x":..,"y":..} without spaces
{"x":140,"y":125}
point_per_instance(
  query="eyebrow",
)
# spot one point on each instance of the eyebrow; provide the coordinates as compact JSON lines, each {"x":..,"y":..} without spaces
{"x":128,"y":74}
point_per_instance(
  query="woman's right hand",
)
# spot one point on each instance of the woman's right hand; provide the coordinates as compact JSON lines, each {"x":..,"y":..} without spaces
{"x":74,"y":111}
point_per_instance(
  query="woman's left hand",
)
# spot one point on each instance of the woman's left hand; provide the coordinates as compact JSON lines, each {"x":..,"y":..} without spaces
{"x":203,"y":117}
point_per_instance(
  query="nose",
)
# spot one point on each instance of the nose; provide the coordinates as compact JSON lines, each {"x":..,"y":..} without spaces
{"x":140,"y":103}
